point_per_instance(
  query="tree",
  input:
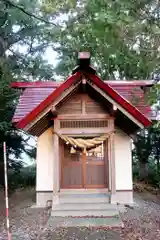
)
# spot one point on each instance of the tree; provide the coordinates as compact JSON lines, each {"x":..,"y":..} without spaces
{"x":156,"y":146}
{"x":143,"y":147}
{"x":146,"y":149}
{"x":23,"y":40}
{"x":123,"y":36}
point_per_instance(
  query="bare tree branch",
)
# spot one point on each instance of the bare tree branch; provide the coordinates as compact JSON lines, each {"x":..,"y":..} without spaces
{"x":28,"y":13}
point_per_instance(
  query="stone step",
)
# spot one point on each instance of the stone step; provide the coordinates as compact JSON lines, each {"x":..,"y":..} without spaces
{"x":84,"y":198}
{"x":84,"y":191}
{"x":84,"y":206}
{"x":85,"y":222}
{"x":84,"y":213}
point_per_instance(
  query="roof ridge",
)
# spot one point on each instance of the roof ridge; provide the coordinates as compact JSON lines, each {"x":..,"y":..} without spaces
{"x":54,"y":84}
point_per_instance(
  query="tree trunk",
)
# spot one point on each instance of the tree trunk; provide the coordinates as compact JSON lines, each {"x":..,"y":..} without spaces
{"x":143,"y":171}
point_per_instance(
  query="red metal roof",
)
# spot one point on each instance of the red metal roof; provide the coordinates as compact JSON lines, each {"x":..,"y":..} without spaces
{"x":36,"y":96}
{"x":127,"y":105}
{"x":30,"y":98}
{"x":135,"y":95}
{"x":47,"y":101}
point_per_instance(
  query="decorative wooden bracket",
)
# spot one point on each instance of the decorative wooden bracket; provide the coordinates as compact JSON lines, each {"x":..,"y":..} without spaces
{"x":84,"y":81}
{"x":53,"y":111}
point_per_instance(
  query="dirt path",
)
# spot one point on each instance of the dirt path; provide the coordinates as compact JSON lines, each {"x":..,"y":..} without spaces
{"x":141,"y":223}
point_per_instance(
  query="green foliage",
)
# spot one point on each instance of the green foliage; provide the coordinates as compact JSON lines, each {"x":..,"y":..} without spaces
{"x":26,"y":177}
{"x":153,"y":177}
{"x":146,"y":155}
{"x":135,"y":167}
{"x":122,"y":36}
{"x":23,"y":40}
{"x":143,"y":144}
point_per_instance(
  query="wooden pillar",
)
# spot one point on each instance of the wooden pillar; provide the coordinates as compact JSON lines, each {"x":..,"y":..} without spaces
{"x":56,"y":164}
{"x":83,"y":168}
{"x":106,"y":161}
{"x":112,"y":172}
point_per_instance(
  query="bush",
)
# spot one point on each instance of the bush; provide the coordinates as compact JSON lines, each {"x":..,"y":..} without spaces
{"x":136,"y":175}
{"x":153,"y":177}
{"x":25,"y":177}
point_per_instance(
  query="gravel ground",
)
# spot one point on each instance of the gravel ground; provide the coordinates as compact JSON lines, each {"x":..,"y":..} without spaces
{"x":140,"y":223}
{"x":25,"y":222}
{"x":143,"y":221}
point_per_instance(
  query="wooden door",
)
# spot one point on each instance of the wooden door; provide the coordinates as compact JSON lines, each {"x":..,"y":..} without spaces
{"x":71,"y":174}
{"x":81,"y":170}
{"x":95,"y":168}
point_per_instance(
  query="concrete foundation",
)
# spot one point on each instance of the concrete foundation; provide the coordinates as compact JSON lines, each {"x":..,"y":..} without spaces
{"x":122,"y":197}
{"x":43,"y":198}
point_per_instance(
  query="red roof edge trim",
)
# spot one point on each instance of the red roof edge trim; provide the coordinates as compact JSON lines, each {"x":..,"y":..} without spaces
{"x":38,"y":84}
{"x":139,"y":83}
{"x":33,"y":114}
{"x":119,"y":99}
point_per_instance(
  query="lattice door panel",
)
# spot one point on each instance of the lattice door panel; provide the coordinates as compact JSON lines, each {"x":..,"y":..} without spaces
{"x":95,"y":168}
{"x":71,"y":169}
{"x":94,"y":175}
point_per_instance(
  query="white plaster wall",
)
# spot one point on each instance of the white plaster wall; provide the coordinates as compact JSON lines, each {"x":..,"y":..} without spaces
{"x":123,"y":161}
{"x":44,"y":177}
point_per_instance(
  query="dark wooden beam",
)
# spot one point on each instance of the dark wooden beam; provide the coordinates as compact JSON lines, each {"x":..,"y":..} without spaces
{"x":84,"y":63}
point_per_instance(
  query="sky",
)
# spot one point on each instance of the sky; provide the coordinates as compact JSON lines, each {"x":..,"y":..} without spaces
{"x":50,"y":56}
